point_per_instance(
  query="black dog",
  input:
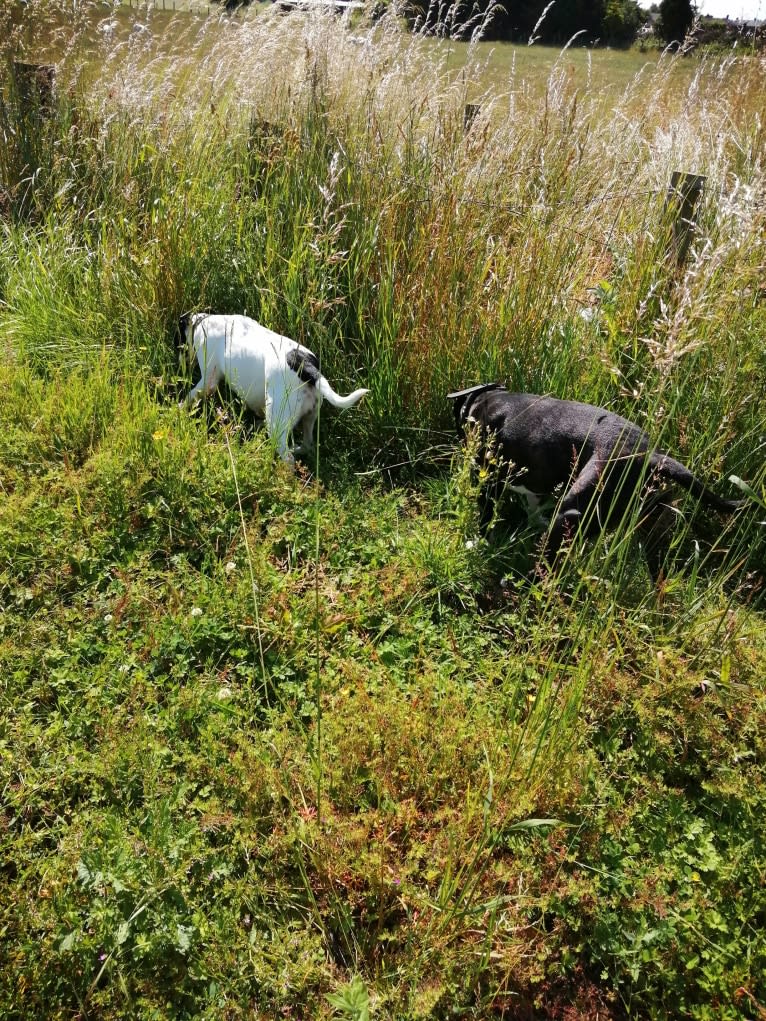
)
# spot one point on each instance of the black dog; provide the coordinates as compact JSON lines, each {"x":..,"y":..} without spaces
{"x":599,"y":459}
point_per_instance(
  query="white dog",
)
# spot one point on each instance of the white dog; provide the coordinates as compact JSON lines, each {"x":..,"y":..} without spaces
{"x":275,"y":376}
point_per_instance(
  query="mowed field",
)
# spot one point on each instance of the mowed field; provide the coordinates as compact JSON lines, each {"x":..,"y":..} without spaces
{"x":495,"y":66}
{"x":304,"y":744}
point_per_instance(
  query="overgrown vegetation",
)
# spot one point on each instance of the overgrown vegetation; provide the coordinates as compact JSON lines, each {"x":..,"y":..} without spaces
{"x":304,"y":746}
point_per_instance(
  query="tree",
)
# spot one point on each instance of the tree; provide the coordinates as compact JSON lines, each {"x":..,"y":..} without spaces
{"x":621,"y":21}
{"x":676,"y":17}
{"x":567,"y":18}
{"x":585,"y":21}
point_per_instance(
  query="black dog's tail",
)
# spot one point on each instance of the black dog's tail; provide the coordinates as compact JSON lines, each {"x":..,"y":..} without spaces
{"x":671,"y":469}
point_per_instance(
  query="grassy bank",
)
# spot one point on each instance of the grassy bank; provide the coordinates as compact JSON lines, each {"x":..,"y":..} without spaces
{"x":302,"y":746}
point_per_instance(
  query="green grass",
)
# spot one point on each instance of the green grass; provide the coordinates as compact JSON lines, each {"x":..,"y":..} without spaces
{"x":301,"y":745}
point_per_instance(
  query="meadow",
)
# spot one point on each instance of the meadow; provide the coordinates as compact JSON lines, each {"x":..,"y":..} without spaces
{"x":280,"y":745}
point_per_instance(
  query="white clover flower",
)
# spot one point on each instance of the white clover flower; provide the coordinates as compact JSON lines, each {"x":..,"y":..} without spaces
{"x":231,"y":566}
{"x":196,"y":611}
{"x":108,"y":618}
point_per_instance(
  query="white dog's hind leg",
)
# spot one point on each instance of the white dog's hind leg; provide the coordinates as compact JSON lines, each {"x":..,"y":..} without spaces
{"x":279,"y":421}
{"x":307,"y":427}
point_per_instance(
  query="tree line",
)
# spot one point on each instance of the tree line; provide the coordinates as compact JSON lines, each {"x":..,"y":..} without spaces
{"x":589,"y":22}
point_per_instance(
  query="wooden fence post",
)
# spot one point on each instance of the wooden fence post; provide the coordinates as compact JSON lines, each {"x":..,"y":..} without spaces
{"x":34,"y":84}
{"x":681,"y":204}
{"x":470,"y":113}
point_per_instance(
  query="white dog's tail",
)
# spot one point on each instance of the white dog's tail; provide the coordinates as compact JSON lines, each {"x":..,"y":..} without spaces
{"x":335,"y":399}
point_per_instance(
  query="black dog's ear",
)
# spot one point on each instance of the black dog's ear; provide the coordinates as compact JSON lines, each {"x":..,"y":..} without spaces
{"x":461,"y":397}
{"x":479,"y":388}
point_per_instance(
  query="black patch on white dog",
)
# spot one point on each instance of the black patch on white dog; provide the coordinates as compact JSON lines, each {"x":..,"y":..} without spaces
{"x":304,"y":364}
{"x":189,"y":364}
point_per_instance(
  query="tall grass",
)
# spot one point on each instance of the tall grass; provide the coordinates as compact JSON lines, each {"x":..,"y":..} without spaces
{"x":377,"y":764}
{"x":328,"y":187}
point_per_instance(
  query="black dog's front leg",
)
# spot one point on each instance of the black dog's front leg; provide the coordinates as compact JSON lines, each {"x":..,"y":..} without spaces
{"x":564,"y":527}
{"x":487,"y":502}
{"x":488,"y":473}
{"x":494,"y":500}
{"x":656,"y":527}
